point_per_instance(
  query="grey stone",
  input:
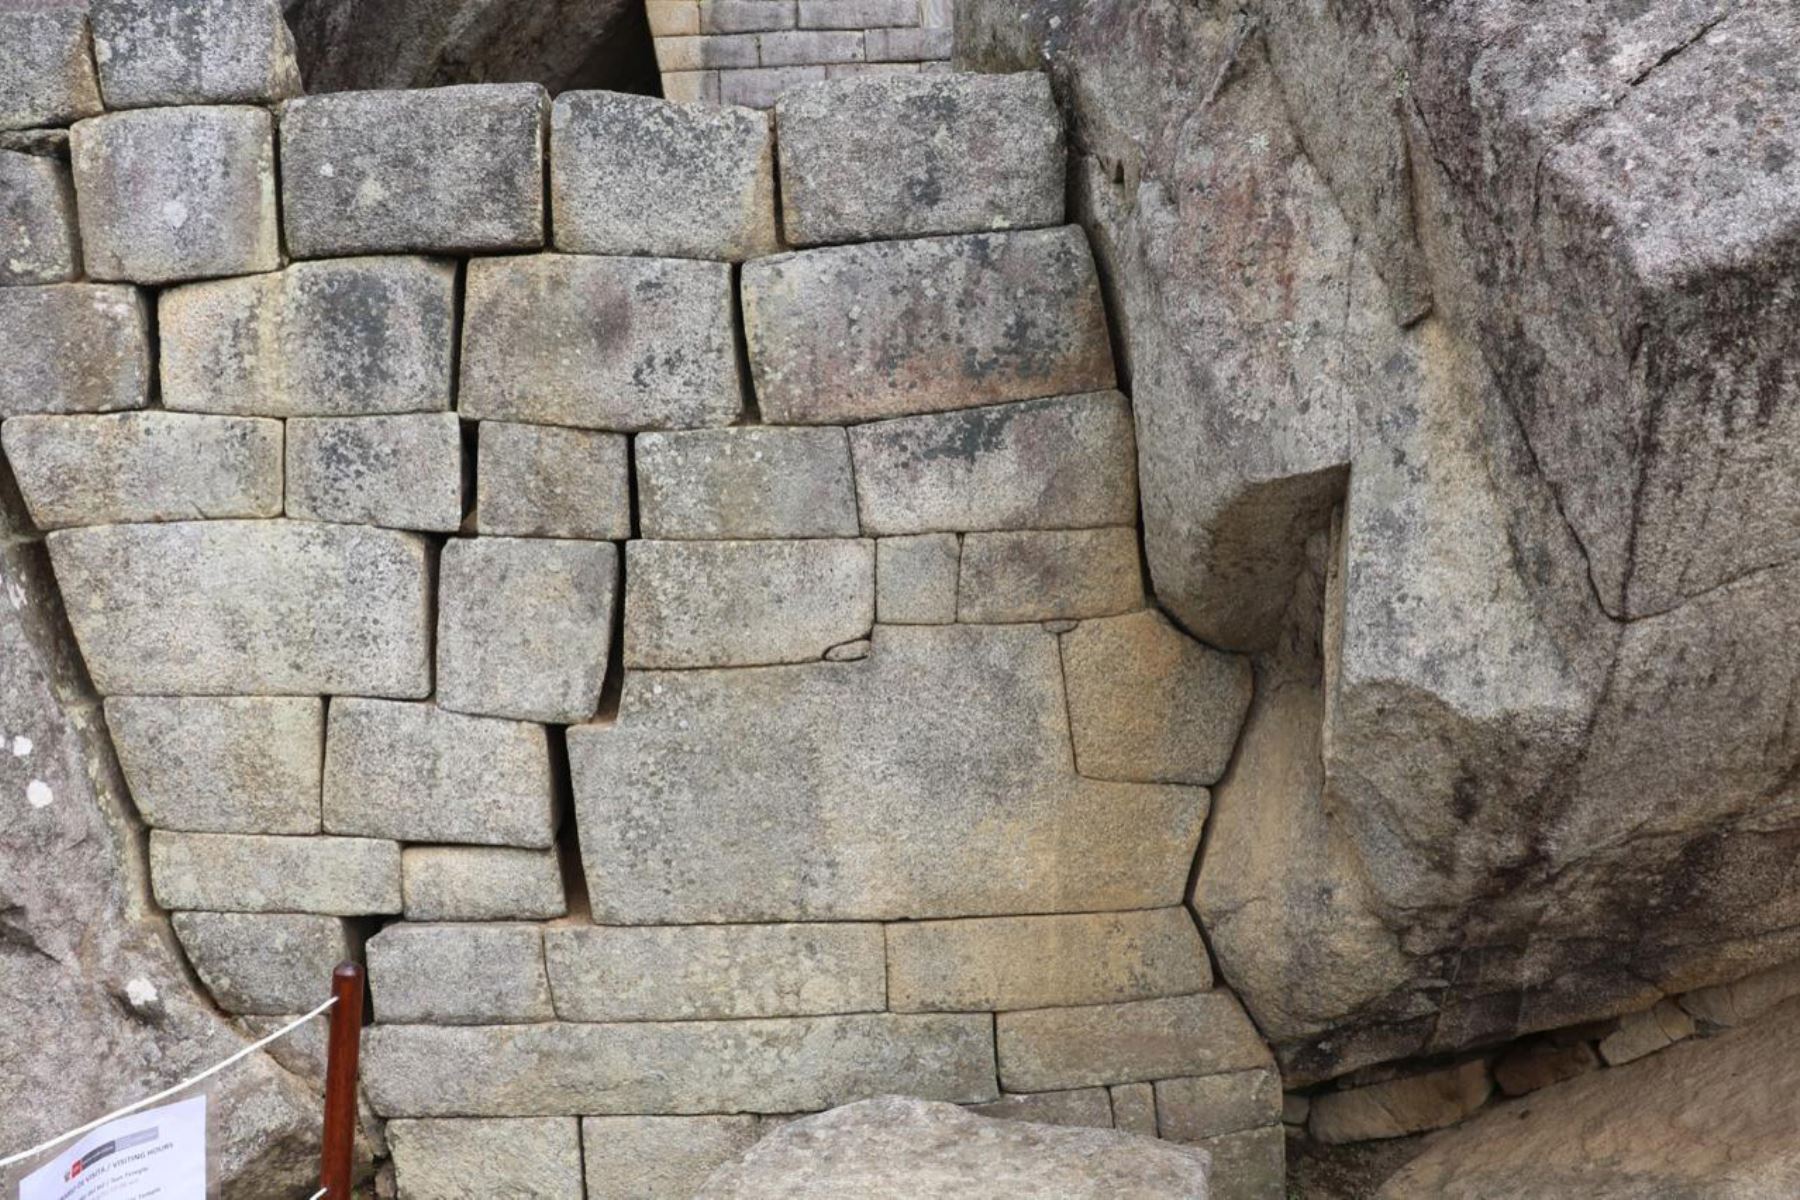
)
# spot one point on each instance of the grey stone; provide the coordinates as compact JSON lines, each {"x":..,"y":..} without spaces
{"x":910,"y":45}
{"x":473,"y":1159}
{"x":856,"y":14}
{"x":269,"y":607}
{"x":1058,"y":464}
{"x":482,"y":883}
{"x":37,"y":221}
{"x":745,"y":483}
{"x":1744,"y":999}
{"x":1251,"y":1165}
{"x":541,"y":481}
{"x":1047,"y":574}
{"x":176,"y":193}
{"x":264,"y":963}
{"x":404,"y":472}
{"x":641,"y":175}
{"x":1205,"y":1034}
{"x":229,"y":872}
{"x":40,"y":143}
{"x":144,"y":466}
{"x":222,"y":764}
{"x":849,"y":651}
{"x":852,"y":333}
{"x":1089,"y":1108}
{"x":684,"y":972}
{"x":718,"y":604}
{"x":74,"y":347}
{"x":1194,"y":1108}
{"x":800,"y":47}
{"x":1646,"y":1032}
{"x":47,"y":76}
{"x":419,"y":773}
{"x":447,"y":169}
{"x":744,"y":16}
{"x":459,"y":974}
{"x":711,"y":50}
{"x":760,"y":87}
{"x":197,"y":52}
{"x":1397,"y":1107}
{"x":600,"y":343}
{"x":640,"y":1158}
{"x":905,"y":156}
{"x":1134,"y":1108}
{"x":915,"y":579}
{"x":349,"y":337}
{"x":525,"y":627}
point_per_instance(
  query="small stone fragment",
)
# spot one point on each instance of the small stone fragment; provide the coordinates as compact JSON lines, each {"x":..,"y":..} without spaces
{"x":746,"y":483}
{"x":915,"y":579}
{"x":1542,"y":1062}
{"x":37,"y":221}
{"x":1036,"y":575}
{"x":73,"y":348}
{"x":542,"y":481}
{"x":226,"y":872}
{"x":1134,"y":1108}
{"x":849,"y":651}
{"x":1411,"y":1104}
{"x":635,"y":1158}
{"x":459,"y":974}
{"x":264,"y":963}
{"x":47,"y":72}
{"x":1044,"y":1049}
{"x":1646,"y":1032}
{"x":404,"y":472}
{"x":464,"y":1158}
{"x":1192,"y":1108}
{"x":1084,"y":1107}
{"x":196,"y":52}
{"x":482,"y":883}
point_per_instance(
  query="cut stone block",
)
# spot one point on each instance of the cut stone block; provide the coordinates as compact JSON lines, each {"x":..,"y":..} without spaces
{"x":857,"y":14}
{"x":525,"y":627}
{"x":681,"y":972}
{"x":852,"y":333}
{"x":915,"y":579}
{"x":1399,"y":1107}
{"x":1048,"y":1048}
{"x":714,"y":50}
{"x":37,"y":220}
{"x":642,"y":1158}
{"x":1082,"y":1107}
{"x":415,"y":772}
{"x":47,"y":72}
{"x":176,"y":193}
{"x":445,"y":169}
{"x":1190,"y":1109}
{"x":781,"y":1065}
{"x":404,"y":472}
{"x":911,"y":45}
{"x":264,"y":963}
{"x":196,"y":52}
{"x":144,"y":466}
{"x":760,"y":87}
{"x":228,"y":872}
{"x":1068,"y":463}
{"x":673,"y":18}
{"x":248,"y":608}
{"x":350,"y":337}
{"x":1049,"y":574}
{"x":729,"y":604}
{"x":896,"y":156}
{"x":542,"y":481}
{"x":746,"y":483}
{"x":600,"y":343}
{"x":641,"y":175}
{"x":802,"y":47}
{"x":222,"y":764}
{"x":459,"y":974}
{"x":462,"y":1159}
{"x":1646,"y":1032}
{"x":482,"y":883}
{"x":1044,"y":962}
{"x":1134,"y":1108}
{"x":72,"y":348}
{"x":745,"y":16}
{"x":1251,"y":1165}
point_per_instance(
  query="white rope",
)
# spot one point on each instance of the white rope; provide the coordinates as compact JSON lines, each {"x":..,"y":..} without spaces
{"x":318,"y":1194}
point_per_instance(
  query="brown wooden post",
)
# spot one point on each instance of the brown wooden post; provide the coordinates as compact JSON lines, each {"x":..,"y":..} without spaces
{"x":340,"y":1081}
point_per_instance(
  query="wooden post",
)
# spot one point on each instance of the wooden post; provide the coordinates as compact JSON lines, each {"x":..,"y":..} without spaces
{"x":340,"y":1081}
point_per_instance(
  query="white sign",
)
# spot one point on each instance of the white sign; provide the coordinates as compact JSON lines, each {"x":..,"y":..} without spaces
{"x":157,"y":1154}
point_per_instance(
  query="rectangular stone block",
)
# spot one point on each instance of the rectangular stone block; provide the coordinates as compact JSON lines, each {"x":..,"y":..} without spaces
{"x":758,"y":87}
{"x":799,"y":47}
{"x":1049,"y":574}
{"x":954,"y":322}
{"x":446,"y":169}
{"x":1251,"y":1165}
{"x":543,"y":481}
{"x":744,"y":603}
{"x":348,"y":337}
{"x":37,"y":221}
{"x":859,"y":70}
{"x":144,"y":466}
{"x":857,"y":14}
{"x":222,"y":764}
{"x":753,"y":482}
{"x":691,"y":87}
{"x":404,"y":472}
{"x":1044,"y":962}
{"x":1089,"y":1108}
{"x":915,"y":579}
{"x":414,"y":772}
{"x":482,"y":883}
{"x":780,"y":1065}
{"x":709,"y":50}
{"x":600,"y":343}
{"x":459,"y":974}
{"x":228,"y":872}
{"x":1134,"y":1108}
{"x":673,"y":18}
{"x":525,"y":627}
{"x":196,"y":52}
{"x":463,"y":1158}
{"x":641,"y":1158}
{"x":1048,"y":1048}
{"x":1190,"y":1109}
{"x":684,"y":972}
{"x":746,"y":16}
{"x":264,"y":963}
{"x":1068,"y":463}
{"x":910,"y":45}
{"x":47,"y":72}
{"x":73,"y":347}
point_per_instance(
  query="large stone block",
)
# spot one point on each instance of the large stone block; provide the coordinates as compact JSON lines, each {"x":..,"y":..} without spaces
{"x":404,"y":472}
{"x":745,"y":483}
{"x":601,"y":343}
{"x":640,"y":1158}
{"x":461,"y":1159}
{"x":37,"y":221}
{"x":851,"y":333}
{"x":1089,"y":1108}
{"x":196,"y":52}
{"x":73,"y":347}
{"x":541,"y":481}
{"x":641,"y":175}
{"x":349,"y":337}
{"x":418,"y":773}
{"x":1047,"y":1048}
{"x":720,"y":604}
{"x":227,"y":872}
{"x":459,"y":974}
{"x":248,"y":607}
{"x":915,"y":579}
{"x":47,"y":72}
{"x":176,"y":193}
{"x":447,"y":169}
{"x":264,"y":963}
{"x":1049,"y":574}
{"x":897,"y":156}
{"x":1191,"y":1108}
{"x":482,"y":883}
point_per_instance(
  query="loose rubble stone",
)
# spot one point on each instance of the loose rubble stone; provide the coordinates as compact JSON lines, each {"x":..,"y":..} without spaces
{"x":915,"y":579}
{"x":443,"y":169}
{"x":525,"y":627}
{"x":683,"y":972}
{"x":459,"y":974}
{"x":144,"y":466}
{"x":1251,"y":1165}
{"x":541,"y":481}
{"x":904,"y":156}
{"x":1540,"y":1063}
{"x":37,"y":221}
{"x":1134,"y":1108}
{"x":197,"y":52}
{"x":264,"y":963}
{"x":1411,"y":1104}
{"x":1747,"y":998}
{"x":404,"y":472}
{"x":745,"y":483}
{"x":1048,"y":1048}
{"x":482,"y":883}
{"x":600,"y":343}
{"x":630,"y":1158}
{"x":641,"y":175}
{"x":1040,"y":575}
{"x":1295,"y":1108}
{"x":1192,"y":1109}
{"x":1089,"y":1108}
{"x":348,"y":337}
{"x":1646,"y":1032}
{"x":416,"y":772}
{"x":227,"y":872}
{"x":718,"y":604}
{"x":47,"y":73}
{"x":222,"y":764}
{"x":852,"y":333}
{"x":73,"y":347}
{"x":464,"y":1158}
{"x":248,"y":607}
{"x":176,"y":193}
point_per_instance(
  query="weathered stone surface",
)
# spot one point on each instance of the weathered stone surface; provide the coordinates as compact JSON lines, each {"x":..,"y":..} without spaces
{"x":541,"y":481}
{"x":469,"y":1158}
{"x":745,"y":483}
{"x":915,"y":579}
{"x":37,"y":221}
{"x":601,"y":343}
{"x":1251,"y":1165}
{"x":349,"y":337}
{"x":419,"y":773}
{"x":198,"y":52}
{"x":176,"y":193}
{"x":264,"y":963}
{"x":851,"y":333}
{"x":1192,"y":1109}
{"x":450,"y":169}
{"x":1089,"y":1108}
{"x":1041,"y":575}
{"x":1042,"y":962}
{"x":481,"y":883}
{"x":525,"y":627}
{"x":1057,"y":464}
{"x":74,"y":347}
{"x":1397,"y":1107}
{"x":1047,"y":1048}
{"x":269,"y":607}
{"x":228,"y":872}
{"x":904,"y":156}
{"x":404,"y":472}
{"x":1540,"y":1063}
{"x":1746,"y":998}
{"x":717,"y":604}
{"x":222,"y":764}
{"x":1134,"y":1108}
{"x":641,"y":175}
{"x":144,"y":466}
{"x":1646,"y":1032}
{"x":629,"y":1158}
{"x":459,"y":974}
{"x":47,"y":76}
{"x":788,"y":1064}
